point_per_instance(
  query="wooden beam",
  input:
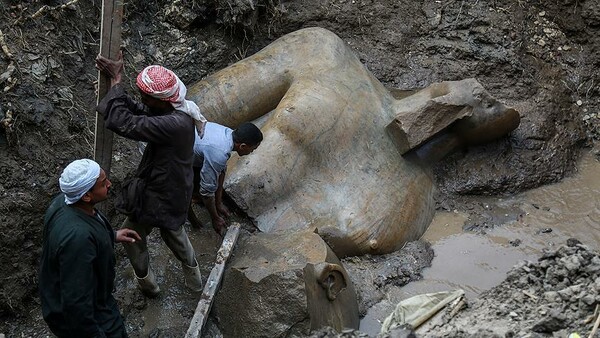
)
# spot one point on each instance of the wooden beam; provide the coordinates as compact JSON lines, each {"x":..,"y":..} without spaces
{"x":213,"y":282}
{"x":110,"y":44}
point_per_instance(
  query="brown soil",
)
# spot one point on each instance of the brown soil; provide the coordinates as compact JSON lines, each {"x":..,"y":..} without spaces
{"x":541,"y":57}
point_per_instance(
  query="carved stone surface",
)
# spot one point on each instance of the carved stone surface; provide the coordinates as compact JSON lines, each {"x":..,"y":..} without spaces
{"x":284,"y":283}
{"x":327,"y":163}
{"x":426,"y":113}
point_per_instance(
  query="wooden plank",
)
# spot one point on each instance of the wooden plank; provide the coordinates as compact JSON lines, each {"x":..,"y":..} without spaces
{"x":213,"y":282}
{"x":110,"y":45}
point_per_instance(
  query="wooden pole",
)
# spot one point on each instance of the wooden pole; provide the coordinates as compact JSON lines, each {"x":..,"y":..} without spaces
{"x":110,"y":44}
{"x":596,"y":324}
{"x":213,"y":282}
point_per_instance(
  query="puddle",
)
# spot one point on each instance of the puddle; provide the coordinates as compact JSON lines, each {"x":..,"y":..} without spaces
{"x":477,"y":262}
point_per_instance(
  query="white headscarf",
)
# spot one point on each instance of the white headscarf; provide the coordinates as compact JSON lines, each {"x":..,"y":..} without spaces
{"x":190,"y":108}
{"x":78,"y":178}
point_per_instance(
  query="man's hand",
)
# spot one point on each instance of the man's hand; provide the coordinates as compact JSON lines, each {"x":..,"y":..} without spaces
{"x":219,"y":225}
{"x":112,"y":68}
{"x":127,"y":235}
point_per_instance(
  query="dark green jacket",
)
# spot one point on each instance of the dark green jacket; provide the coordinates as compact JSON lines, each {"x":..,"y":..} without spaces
{"x":77,"y":274}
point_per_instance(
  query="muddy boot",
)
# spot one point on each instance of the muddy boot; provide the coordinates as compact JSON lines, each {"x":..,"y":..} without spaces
{"x":148,"y":284}
{"x":193,"y":279}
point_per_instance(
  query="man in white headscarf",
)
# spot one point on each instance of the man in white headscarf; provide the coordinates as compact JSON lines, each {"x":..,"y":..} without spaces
{"x":77,"y":269}
{"x":160,"y":194}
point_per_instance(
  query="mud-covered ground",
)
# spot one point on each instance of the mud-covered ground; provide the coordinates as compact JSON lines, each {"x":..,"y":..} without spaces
{"x":540,"y":57}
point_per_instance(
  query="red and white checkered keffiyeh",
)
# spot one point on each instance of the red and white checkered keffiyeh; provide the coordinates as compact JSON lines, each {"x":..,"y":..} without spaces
{"x":163,"y":84}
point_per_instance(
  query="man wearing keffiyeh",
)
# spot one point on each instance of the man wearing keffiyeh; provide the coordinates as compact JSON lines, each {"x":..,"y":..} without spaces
{"x":163,"y":84}
{"x":162,"y":192}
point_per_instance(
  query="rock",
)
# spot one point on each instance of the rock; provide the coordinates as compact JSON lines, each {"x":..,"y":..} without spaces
{"x":571,"y":263}
{"x":400,"y":332}
{"x":331,"y":332}
{"x":282,"y":284}
{"x":563,"y":333}
{"x":179,"y":15}
{"x":552,"y":296}
{"x":576,"y":289}
{"x":429,"y":111}
{"x":588,"y":300}
{"x":566,"y":294}
{"x":594,"y":266}
{"x":39,"y":70}
{"x":550,"y":324}
{"x":597,"y":285}
{"x":484,"y":333}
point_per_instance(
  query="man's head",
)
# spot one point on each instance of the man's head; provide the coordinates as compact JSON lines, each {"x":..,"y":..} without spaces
{"x":84,"y":181}
{"x":159,"y":88}
{"x":162,"y":91}
{"x":246,"y":138}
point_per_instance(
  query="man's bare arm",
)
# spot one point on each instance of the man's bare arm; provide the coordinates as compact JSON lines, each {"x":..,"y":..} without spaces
{"x":218,"y":222}
{"x":221,"y":208}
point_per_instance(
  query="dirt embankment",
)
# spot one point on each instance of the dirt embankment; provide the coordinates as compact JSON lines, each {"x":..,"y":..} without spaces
{"x":540,"y":57}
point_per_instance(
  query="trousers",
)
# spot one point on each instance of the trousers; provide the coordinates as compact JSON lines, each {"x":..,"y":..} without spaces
{"x":176,"y":240}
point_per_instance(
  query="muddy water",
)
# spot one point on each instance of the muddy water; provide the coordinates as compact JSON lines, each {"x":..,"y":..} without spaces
{"x":475,"y":262}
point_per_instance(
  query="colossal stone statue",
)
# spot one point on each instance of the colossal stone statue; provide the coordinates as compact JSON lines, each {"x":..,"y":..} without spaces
{"x":336,"y":154}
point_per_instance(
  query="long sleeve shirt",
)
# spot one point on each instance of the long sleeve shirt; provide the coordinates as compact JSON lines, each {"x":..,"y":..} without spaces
{"x":77,"y":273}
{"x":168,"y":156}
